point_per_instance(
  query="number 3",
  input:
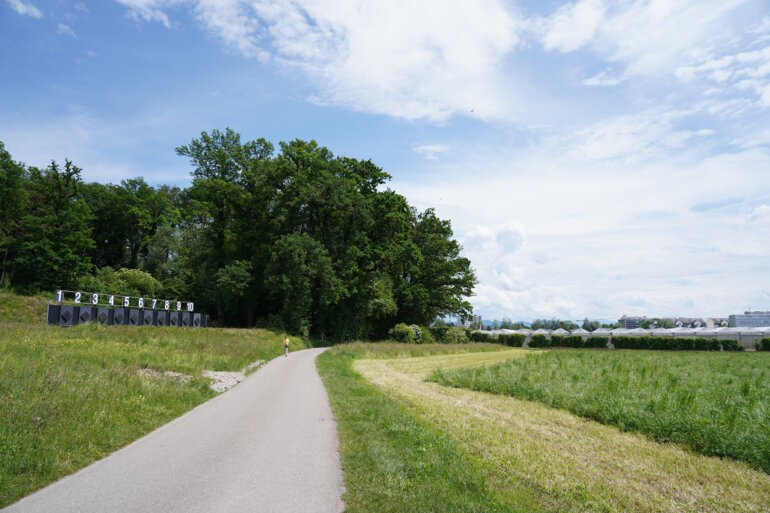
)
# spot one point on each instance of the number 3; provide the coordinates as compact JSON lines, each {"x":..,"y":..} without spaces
{"x":94,"y":299}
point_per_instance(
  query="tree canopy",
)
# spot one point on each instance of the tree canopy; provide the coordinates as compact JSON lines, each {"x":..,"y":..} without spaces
{"x":297,"y":237}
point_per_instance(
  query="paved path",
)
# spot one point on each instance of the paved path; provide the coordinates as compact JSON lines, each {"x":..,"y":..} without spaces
{"x":267,"y":445}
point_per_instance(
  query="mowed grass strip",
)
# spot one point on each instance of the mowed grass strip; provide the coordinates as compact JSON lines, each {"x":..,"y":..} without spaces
{"x":714,"y":403}
{"x":391,"y":461}
{"x":537,"y":458}
{"x":71,"y":396}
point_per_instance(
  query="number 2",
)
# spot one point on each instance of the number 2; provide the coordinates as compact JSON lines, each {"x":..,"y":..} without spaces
{"x":77,"y":297}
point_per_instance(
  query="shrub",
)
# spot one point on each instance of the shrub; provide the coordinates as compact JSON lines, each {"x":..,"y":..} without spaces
{"x":732,"y":345}
{"x":762,"y":345}
{"x":539,"y":341}
{"x":481,"y":336}
{"x":557,"y":341}
{"x":427,"y":336}
{"x":597,"y":342}
{"x":456,"y":335}
{"x":439,"y":333}
{"x":511,"y":339}
{"x":402,"y":333}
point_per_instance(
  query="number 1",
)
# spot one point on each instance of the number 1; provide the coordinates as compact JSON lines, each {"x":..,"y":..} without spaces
{"x":59,"y":296}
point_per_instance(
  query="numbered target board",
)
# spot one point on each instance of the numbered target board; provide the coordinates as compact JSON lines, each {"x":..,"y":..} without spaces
{"x":74,"y":306}
{"x":96,"y":299}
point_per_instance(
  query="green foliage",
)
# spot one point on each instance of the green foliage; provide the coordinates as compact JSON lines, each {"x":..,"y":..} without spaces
{"x":449,"y":334}
{"x":480,"y":336}
{"x":597,"y":342}
{"x":300,"y":238}
{"x":763,"y":345}
{"x":675,"y":343}
{"x":568,"y":341}
{"x":55,"y":239}
{"x":131,"y":282}
{"x":714,"y":403}
{"x":511,"y":339}
{"x":408,"y":333}
{"x":539,"y":340}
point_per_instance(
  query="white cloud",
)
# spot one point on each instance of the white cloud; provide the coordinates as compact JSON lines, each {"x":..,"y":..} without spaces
{"x":410,"y":60}
{"x":644,"y":37}
{"x":606,"y":237}
{"x":150,"y":10}
{"x":431,"y":151}
{"x":761,"y":213}
{"x":25,"y":9}
{"x":603,"y":79}
{"x":65,"y":30}
{"x":572,"y":26}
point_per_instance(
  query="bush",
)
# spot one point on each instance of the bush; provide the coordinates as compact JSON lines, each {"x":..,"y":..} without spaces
{"x":597,"y":342}
{"x":402,"y":333}
{"x":131,"y":282}
{"x":539,"y":341}
{"x":439,"y":333}
{"x":567,"y":341}
{"x":481,"y":336}
{"x":427,"y":336}
{"x":455,"y":335}
{"x":667,"y":343}
{"x":762,"y":345}
{"x":734,"y":345}
{"x":511,"y":339}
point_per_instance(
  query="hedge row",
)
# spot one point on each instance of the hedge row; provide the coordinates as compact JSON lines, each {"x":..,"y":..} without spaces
{"x":480,"y":336}
{"x":676,"y":344}
{"x":763,"y":345}
{"x":512,"y":339}
{"x":568,"y":341}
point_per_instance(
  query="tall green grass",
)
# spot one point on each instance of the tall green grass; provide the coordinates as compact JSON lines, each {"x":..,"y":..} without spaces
{"x":70,"y":396}
{"x":714,"y":403}
{"x":391,"y":461}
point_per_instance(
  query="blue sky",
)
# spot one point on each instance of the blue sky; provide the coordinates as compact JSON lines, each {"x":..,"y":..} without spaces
{"x":595,"y":158}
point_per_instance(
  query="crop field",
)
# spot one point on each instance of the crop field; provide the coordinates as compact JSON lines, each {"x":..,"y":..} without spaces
{"x":518,"y":455}
{"x":714,"y":403}
{"x":71,"y":396}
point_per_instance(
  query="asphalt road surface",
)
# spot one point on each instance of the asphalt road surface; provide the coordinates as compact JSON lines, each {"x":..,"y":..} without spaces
{"x":267,"y":445}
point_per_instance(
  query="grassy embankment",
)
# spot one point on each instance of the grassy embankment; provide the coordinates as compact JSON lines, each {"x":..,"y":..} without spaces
{"x":716,"y":404}
{"x":391,"y":460}
{"x":530,"y":457}
{"x":70,"y":396}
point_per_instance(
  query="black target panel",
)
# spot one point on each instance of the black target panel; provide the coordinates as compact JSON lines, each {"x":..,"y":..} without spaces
{"x":134,"y":317}
{"x":186,"y":319}
{"x":53,"y":314}
{"x":120,"y":317}
{"x":148,"y":318}
{"x":173,"y":319}
{"x":68,"y":315}
{"x":85,"y":314}
{"x":104,"y":315}
{"x":196,"y":320}
{"x":161,"y":318}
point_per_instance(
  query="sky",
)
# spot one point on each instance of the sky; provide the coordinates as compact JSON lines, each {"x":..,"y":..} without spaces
{"x":596,"y":158}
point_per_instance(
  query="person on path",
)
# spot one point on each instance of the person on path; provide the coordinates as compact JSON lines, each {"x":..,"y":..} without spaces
{"x":286,"y":345}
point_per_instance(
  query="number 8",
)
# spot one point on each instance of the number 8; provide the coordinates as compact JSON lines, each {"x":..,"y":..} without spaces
{"x":166,"y":305}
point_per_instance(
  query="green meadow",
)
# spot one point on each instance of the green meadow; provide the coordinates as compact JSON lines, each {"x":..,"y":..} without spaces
{"x":713,"y":403}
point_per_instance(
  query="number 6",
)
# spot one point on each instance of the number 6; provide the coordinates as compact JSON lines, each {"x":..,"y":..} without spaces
{"x":141,"y":302}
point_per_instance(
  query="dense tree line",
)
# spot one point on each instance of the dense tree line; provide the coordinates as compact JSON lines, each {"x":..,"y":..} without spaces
{"x":296,"y":237}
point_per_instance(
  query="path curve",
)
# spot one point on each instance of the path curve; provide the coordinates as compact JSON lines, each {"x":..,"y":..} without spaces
{"x":268,"y":445}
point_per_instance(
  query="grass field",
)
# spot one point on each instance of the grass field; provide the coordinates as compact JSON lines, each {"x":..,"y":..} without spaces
{"x":71,"y":396}
{"x":392,"y":461}
{"x":714,"y":403}
{"x":536,"y":458}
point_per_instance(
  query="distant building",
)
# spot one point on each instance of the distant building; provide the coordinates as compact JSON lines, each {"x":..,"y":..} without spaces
{"x":749,"y":320}
{"x":630,"y":323}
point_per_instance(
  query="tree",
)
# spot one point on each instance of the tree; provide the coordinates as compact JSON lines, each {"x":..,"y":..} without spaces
{"x":13,"y":204}
{"x":56,"y":245}
{"x":302,"y":278}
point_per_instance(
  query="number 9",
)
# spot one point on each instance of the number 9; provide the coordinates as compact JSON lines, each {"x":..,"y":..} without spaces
{"x":178,"y":305}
